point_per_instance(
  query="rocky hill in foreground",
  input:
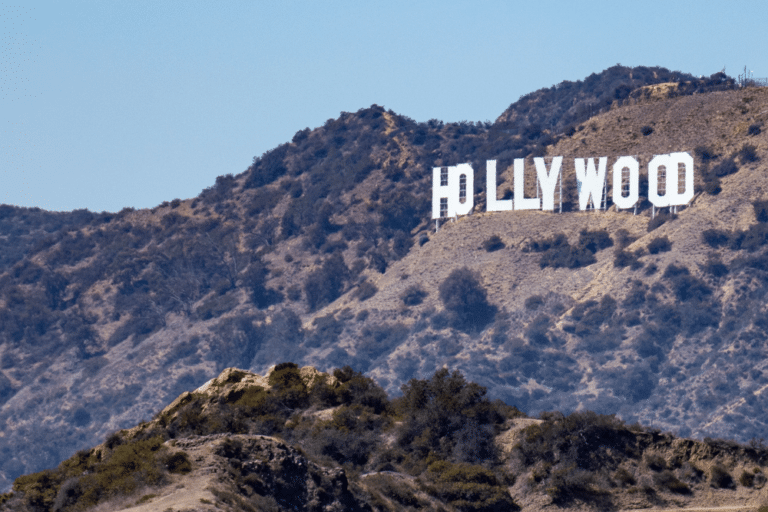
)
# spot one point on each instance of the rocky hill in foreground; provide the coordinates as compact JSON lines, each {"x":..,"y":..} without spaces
{"x":323,"y":252}
{"x":299,"y":439}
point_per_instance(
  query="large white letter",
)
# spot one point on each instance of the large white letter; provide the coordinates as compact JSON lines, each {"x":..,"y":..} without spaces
{"x":455,"y":182}
{"x":591,"y":181}
{"x":653,"y":181}
{"x":681,"y":198}
{"x":672,"y":195}
{"x":448,"y":185}
{"x":438,"y":191}
{"x":494,"y":205}
{"x":626,"y":162}
{"x":522,"y":202}
{"x":548,"y":181}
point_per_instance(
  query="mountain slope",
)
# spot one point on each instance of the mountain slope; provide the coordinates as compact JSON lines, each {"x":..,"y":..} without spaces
{"x":323,"y":252}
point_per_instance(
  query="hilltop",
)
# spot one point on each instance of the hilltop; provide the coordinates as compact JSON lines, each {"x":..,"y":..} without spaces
{"x":322,"y":252}
{"x":299,"y":439}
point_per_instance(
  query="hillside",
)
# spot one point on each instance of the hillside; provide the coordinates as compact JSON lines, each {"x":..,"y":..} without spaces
{"x":322,"y":252}
{"x":299,"y":439}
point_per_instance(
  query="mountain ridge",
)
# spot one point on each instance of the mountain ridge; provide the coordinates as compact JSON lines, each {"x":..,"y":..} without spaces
{"x":114,"y":315}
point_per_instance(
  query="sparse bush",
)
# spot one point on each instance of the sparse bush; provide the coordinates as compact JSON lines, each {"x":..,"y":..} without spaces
{"x":660,"y":244}
{"x":413,"y":295}
{"x":534,"y":302}
{"x":704,"y":153}
{"x":713,"y":186}
{"x":655,"y":462}
{"x":726,"y":167}
{"x":646,"y":130}
{"x":720,"y":478}
{"x":178,"y":463}
{"x":715,"y":267}
{"x":624,"y":477}
{"x":754,"y":129}
{"x":494,"y":243}
{"x":326,"y":284}
{"x":748,"y":153}
{"x":747,"y":479}
{"x":470,"y":488}
{"x":715,"y":237}
{"x":557,"y":252}
{"x":366,"y":290}
{"x":622,"y":258}
{"x":466,"y":300}
{"x":594,"y":241}
{"x":669,"y":481}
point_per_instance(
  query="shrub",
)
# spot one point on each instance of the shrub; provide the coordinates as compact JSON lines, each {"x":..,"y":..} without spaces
{"x":466,"y":300}
{"x":747,"y":479}
{"x":668,"y":480}
{"x":726,"y":167}
{"x":748,"y":153}
{"x":622,"y":258}
{"x":704,"y":153}
{"x":715,"y":267}
{"x":713,"y":186}
{"x":413,"y":295}
{"x":719,"y":477}
{"x":655,"y":462}
{"x":754,"y":129}
{"x":660,"y":244}
{"x":715,"y":237}
{"x":646,"y":130}
{"x":494,"y":243}
{"x":534,"y":302}
{"x":761,"y":210}
{"x":624,"y":477}
{"x":595,"y":241}
{"x":178,"y":463}
{"x":623,"y":238}
{"x":470,"y":487}
{"x":325,"y":284}
{"x":366,"y":290}
{"x":557,"y":252}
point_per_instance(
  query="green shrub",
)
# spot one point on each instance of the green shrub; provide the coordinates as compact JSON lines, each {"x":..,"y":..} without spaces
{"x":469,"y":487}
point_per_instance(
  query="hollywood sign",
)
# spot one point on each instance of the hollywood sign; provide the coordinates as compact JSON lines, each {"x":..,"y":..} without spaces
{"x":453,"y":187}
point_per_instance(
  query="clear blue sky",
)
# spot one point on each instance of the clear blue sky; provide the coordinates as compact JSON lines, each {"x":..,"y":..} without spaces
{"x":108,"y":104}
